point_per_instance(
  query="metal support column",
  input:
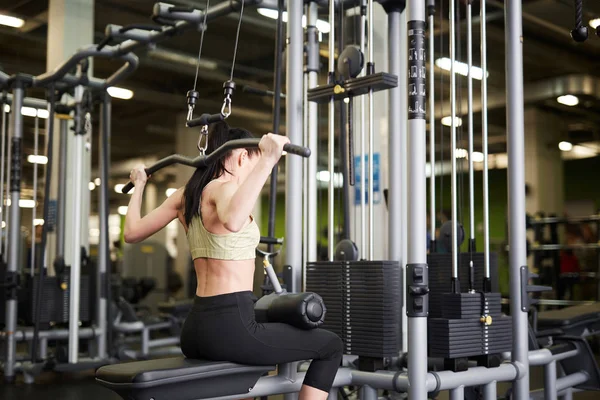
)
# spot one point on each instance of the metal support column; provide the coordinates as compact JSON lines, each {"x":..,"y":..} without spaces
{"x":417,"y":274}
{"x":331,"y":139}
{"x":61,"y":200}
{"x":103,"y":211}
{"x":490,"y":391}
{"x":458,"y":393}
{"x":516,"y":192}
{"x":293,"y":170}
{"x":550,"y":392}
{"x":312,"y":69}
{"x":14,"y":231}
{"x":74,"y":280}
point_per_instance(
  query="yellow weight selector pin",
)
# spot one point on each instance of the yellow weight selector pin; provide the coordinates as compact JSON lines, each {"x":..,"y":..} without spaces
{"x":486,"y":319}
{"x":337,"y":89}
{"x":64,"y":286}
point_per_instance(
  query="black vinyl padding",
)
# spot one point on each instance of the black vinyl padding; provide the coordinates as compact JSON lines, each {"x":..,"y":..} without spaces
{"x":569,"y":316}
{"x":175,"y":369}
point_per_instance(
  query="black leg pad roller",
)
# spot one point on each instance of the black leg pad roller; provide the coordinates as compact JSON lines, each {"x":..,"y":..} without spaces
{"x":179,"y":378}
{"x":302,"y":310}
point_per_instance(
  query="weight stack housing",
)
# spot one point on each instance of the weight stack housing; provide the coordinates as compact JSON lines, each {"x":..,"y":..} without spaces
{"x":440,"y":276}
{"x":55,"y":301}
{"x":364,"y":304}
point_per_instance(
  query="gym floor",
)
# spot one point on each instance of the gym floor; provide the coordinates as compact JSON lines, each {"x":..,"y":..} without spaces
{"x":82,"y":386}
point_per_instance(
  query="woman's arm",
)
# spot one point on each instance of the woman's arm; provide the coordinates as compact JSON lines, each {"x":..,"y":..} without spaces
{"x":235,"y":203}
{"x":138,"y":228}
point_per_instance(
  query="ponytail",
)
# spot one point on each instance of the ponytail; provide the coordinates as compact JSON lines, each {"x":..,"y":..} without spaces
{"x":219,"y":133}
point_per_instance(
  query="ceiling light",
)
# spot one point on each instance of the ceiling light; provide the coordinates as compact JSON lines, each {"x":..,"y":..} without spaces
{"x":3,"y":224}
{"x":122,"y":210}
{"x":595,"y":23}
{"x":33,"y":159}
{"x":322,"y":26}
{"x":447,"y":121}
{"x":28,"y":111}
{"x":477,"y":156}
{"x":38,"y":221}
{"x":41,"y":113}
{"x":6,"y":108}
{"x":26,"y":203}
{"x":13,"y":22}
{"x":91,"y":185}
{"x":97,"y":181}
{"x":461,"y":153}
{"x":94,"y":232}
{"x":568,"y":100}
{"x":114,"y":230}
{"x":170,"y":191}
{"x":460,"y":68}
{"x":565,"y":146}
{"x":119,"y":93}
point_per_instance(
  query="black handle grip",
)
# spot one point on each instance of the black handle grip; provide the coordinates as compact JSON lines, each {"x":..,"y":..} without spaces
{"x":205,"y":119}
{"x":270,"y":240}
{"x":204,"y":160}
{"x":297,"y":150}
{"x":127,"y":188}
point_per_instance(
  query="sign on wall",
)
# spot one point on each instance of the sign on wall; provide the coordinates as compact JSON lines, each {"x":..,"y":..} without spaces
{"x":376,"y":180}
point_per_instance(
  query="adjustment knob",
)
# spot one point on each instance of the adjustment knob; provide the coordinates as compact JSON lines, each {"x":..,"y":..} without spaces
{"x":580,"y":34}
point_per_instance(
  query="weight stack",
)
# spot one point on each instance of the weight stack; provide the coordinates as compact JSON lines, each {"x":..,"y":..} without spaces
{"x":55,"y":301}
{"x":440,"y":276}
{"x":471,"y":325}
{"x":363,"y":300}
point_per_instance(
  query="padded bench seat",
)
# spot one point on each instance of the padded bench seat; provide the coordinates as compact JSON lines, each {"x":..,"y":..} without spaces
{"x":179,"y":378}
{"x":573,"y":321}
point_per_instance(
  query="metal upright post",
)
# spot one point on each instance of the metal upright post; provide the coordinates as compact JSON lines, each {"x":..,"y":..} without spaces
{"x":363,"y":170}
{"x":489,"y":391}
{"x":74,"y":279}
{"x":331,"y":140}
{"x":61,"y":200}
{"x":453,"y":188}
{"x":403,"y":155}
{"x":293,"y":171}
{"x":313,"y":128}
{"x":458,"y":393}
{"x":417,"y":273}
{"x":3,"y":161}
{"x":14,"y":231}
{"x":431,"y":13}
{"x":370,"y":71}
{"x":395,"y":133}
{"x":470,"y":117}
{"x":550,"y":392}
{"x":516,"y":194}
{"x":36,"y":136}
{"x":103,"y":210}
{"x":484,"y":123}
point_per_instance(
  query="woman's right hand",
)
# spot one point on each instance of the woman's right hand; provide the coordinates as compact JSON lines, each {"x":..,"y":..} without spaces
{"x":138,"y":176}
{"x":271,"y":146}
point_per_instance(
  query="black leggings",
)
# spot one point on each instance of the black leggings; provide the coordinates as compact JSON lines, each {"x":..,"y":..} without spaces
{"x":223,"y":328}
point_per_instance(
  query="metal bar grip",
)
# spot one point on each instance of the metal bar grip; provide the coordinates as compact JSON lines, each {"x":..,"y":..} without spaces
{"x":297,"y":150}
{"x":205,"y":119}
{"x":204,"y":160}
{"x":270,"y":240}
{"x":167,"y":11}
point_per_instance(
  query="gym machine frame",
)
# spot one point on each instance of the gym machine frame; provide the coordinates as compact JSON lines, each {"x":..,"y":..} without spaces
{"x":199,"y":379}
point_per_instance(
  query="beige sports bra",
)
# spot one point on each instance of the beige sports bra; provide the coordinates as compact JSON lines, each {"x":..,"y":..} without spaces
{"x":229,"y":246}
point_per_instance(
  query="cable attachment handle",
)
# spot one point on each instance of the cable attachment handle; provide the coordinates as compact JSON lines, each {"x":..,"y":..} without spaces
{"x":228,"y":89}
{"x":192,"y":99}
{"x":203,"y":134}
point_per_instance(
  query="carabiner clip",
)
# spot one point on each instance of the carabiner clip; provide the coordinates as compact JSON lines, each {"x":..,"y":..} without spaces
{"x":226,"y":109}
{"x":203,"y":134}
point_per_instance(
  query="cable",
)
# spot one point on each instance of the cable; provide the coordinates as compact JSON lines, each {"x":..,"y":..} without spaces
{"x":237,"y":37}
{"x":201,"y":42}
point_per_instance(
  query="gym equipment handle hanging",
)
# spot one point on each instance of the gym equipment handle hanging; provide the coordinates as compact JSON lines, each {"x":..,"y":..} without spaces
{"x":203,"y":160}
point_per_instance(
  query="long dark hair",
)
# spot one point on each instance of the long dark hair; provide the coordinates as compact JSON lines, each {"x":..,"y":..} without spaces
{"x":218,"y":134}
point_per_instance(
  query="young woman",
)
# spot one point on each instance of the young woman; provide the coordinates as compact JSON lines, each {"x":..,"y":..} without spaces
{"x":215,"y":210}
